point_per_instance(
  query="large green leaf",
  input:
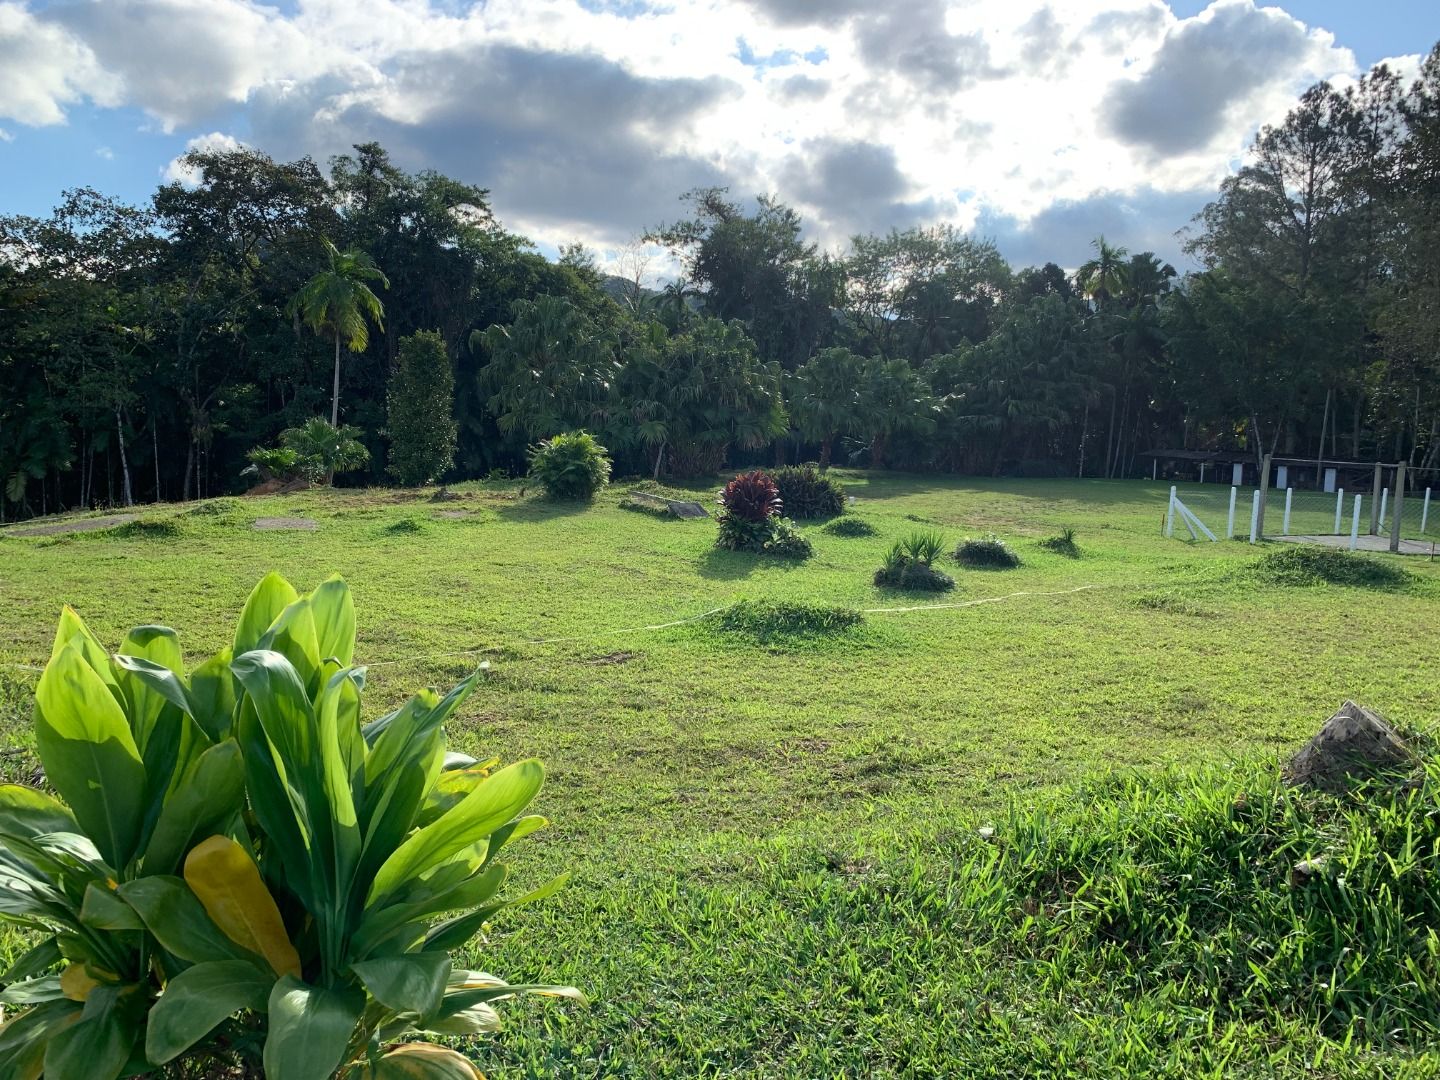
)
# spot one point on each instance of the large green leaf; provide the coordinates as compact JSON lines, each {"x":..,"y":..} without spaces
{"x":102,"y":909}
{"x":98,"y":1047}
{"x":197,"y":1000}
{"x":274,"y":807}
{"x":453,"y":933}
{"x":412,"y":983}
{"x":89,"y":754}
{"x":71,"y":631}
{"x":333,"y":610}
{"x":419,"y":901}
{"x":310,"y":1028}
{"x":177,"y":920}
{"x":160,"y":716}
{"x":27,"y":812}
{"x":211,"y":792}
{"x":24,"y":1039}
{"x":266,"y":603}
{"x":480,"y":813}
{"x":39,"y":958}
{"x":159,"y":646}
{"x":212,"y":696}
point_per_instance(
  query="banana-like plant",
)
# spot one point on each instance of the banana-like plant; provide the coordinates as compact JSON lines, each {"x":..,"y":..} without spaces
{"x":244,"y":873}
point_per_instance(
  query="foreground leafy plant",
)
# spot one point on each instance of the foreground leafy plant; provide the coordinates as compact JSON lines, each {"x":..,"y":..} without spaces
{"x":319,"y":858}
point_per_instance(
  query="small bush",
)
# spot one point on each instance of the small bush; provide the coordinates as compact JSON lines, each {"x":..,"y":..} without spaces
{"x":989,"y":553}
{"x":146,"y":529}
{"x":407,"y":526}
{"x":806,"y":492}
{"x":849,"y":526}
{"x":1301,"y":565}
{"x":742,"y":534}
{"x":314,"y":451}
{"x":751,"y":496}
{"x":1062,"y":543}
{"x":213,"y":508}
{"x":572,"y":466}
{"x":907,"y":564}
{"x":787,"y":541}
{"x":766,"y":620}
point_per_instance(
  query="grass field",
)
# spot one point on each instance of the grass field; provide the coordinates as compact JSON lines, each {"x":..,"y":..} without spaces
{"x":774,"y":843}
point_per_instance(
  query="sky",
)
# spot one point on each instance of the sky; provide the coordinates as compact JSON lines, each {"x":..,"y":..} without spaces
{"x":1038,"y":125}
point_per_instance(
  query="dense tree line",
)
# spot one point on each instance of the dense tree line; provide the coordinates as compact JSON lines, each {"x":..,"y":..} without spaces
{"x":144,"y":351}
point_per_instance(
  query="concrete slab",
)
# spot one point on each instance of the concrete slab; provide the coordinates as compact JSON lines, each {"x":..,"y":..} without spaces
{"x":1367,"y":543}
{"x":279,"y":523}
{"x":83,"y":525}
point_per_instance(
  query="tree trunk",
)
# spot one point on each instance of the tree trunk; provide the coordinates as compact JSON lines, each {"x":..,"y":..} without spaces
{"x":124,"y":461}
{"x":825,"y":449}
{"x":1110,"y":437}
{"x":659,"y":460}
{"x":335,"y":390}
{"x":877,"y":451}
{"x":155,"y":451}
{"x":189,"y":467}
{"x":1084,"y":434}
{"x":1355,"y":430}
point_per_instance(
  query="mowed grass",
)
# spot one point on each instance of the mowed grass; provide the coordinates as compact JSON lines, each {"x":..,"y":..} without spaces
{"x":774,"y":837}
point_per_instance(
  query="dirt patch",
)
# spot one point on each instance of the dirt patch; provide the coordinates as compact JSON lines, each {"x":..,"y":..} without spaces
{"x":451,"y":515}
{"x":279,"y":487}
{"x":281,"y":523}
{"x":84,"y":525}
{"x":612,"y":658}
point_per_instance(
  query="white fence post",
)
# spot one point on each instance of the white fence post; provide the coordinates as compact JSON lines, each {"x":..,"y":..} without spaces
{"x":1425,"y":511}
{"x":1339,"y":509}
{"x":1355,"y":525}
{"x":1384,"y":505}
{"x":1255,"y":516}
{"x":1289,"y":497}
{"x":1230,"y":522}
{"x":1170,"y":513}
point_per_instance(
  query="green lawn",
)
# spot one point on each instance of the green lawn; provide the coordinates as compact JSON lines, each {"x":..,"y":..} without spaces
{"x":769,"y":841}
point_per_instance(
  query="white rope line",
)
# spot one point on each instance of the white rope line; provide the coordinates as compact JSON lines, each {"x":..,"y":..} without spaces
{"x":678,"y":622}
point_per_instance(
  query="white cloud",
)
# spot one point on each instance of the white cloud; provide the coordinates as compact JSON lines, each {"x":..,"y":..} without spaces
{"x":46,"y":70}
{"x":588,"y":123}
{"x":105,"y":153}
{"x":178,"y":172}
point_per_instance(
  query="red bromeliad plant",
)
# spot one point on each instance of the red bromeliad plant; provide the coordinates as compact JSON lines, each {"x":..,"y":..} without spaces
{"x":752,"y":496}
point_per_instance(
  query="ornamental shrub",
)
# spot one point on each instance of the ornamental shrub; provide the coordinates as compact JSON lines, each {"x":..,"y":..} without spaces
{"x":421,"y":411}
{"x":806,"y":492}
{"x":572,"y":466}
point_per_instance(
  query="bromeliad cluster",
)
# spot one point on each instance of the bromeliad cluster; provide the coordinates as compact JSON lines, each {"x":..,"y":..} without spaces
{"x":750,"y":519}
{"x":239,"y":873}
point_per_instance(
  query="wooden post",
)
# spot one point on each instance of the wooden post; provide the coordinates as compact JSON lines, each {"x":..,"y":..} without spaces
{"x":1230,"y":521}
{"x":1264,"y":495}
{"x":1339,"y":509}
{"x":1399,"y":511}
{"x":1170,"y":514}
{"x":1255,"y":514}
{"x":1355,"y":525}
{"x":1375,"y":501}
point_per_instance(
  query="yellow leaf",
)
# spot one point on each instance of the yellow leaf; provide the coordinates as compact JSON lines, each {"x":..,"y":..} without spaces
{"x":420,"y":1061}
{"x":227,"y":882}
{"x":76,"y":982}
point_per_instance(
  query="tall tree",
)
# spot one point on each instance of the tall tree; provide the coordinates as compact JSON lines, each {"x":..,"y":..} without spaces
{"x":825,"y":398}
{"x":338,"y":299}
{"x":421,"y":410}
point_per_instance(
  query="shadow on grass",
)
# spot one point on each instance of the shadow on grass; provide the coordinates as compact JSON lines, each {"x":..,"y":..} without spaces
{"x":717,"y":564}
{"x":538,"y":508}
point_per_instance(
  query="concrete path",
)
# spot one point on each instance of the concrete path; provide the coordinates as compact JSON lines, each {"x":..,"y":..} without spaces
{"x":275,"y":523}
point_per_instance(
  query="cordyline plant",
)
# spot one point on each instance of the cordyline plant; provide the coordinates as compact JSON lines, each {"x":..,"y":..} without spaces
{"x":239,"y":875}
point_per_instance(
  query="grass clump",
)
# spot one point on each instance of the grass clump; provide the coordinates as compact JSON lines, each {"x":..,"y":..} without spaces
{"x":806,"y":492}
{"x":849,"y":526}
{"x":1062,"y":543}
{"x":1302,"y":565}
{"x":147,"y":529}
{"x":987,"y":553}
{"x":908,"y":564}
{"x":766,"y":621}
{"x":1229,"y":892}
{"x":1173,"y":604}
{"x":222,"y":507}
{"x":406,"y":526}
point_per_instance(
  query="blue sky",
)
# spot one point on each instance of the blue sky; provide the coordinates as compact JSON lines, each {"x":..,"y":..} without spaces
{"x":1038,"y":124}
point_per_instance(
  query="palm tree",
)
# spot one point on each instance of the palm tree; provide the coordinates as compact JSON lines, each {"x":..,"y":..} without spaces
{"x":338,"y":299}
{"x":1105,"y":275}
{"x":825,"y":397}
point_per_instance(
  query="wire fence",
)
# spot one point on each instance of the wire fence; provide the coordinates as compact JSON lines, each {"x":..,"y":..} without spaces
{"x":1231,"y":512}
